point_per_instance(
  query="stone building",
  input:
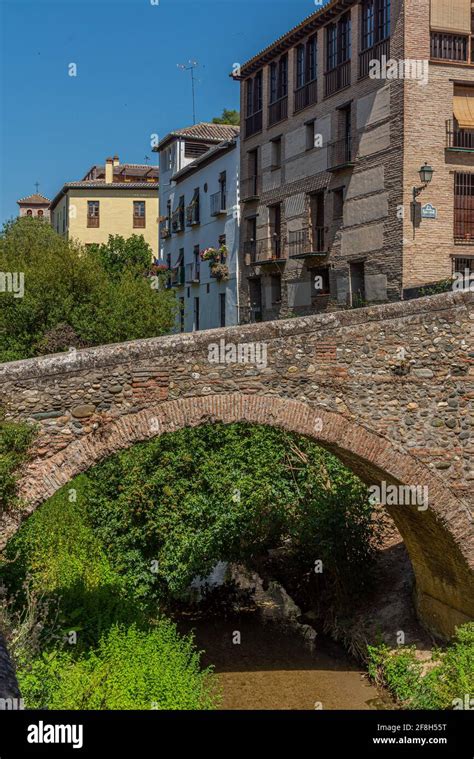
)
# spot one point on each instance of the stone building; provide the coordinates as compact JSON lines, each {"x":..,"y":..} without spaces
{"x":199,"y":169}
{"x":339,"y":116}
{"x":34,"y":205}
{"x":112,"y":199}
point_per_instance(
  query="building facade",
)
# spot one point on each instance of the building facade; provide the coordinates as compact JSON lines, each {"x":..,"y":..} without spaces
{"x":199,"y":229}
{"x":114,"y":199}
{"x":34,"y":205}
{"x":338,"y":117}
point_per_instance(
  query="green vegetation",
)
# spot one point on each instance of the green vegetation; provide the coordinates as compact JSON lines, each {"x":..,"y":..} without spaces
{"x":231,"y":117}
{"x":187,"y":500}
{"x":15,"y":439}
{"x":446,"y":685}
{"x":61,"y":582}
{"x":75,"y":296}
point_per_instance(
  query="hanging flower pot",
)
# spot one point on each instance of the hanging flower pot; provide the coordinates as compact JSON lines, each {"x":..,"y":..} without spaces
{"x":219,"y":271}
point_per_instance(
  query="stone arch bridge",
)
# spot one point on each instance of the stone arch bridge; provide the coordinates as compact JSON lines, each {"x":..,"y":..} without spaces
{"x":389,"y":389}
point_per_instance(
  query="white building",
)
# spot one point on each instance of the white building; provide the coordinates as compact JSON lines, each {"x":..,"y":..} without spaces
{"x":199,"y":209}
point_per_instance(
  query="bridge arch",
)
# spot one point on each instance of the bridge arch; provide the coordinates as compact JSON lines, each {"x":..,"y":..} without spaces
{"x":441,"y":555}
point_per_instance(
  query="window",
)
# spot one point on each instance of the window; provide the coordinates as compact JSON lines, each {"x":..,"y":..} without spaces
{"x":275,"y":289}
{"x":273,"y":82}
{"x":276,"y":153}
{"x":331,"y":47}
{"x":221,"y":244}
{"x":223,"y":190}
{"x":139,"y":214}
{"x":306,"y":74}
{"x":464,"y":266}
{"x":181,"y":314}
{"x":93,"y":213}
{"x":196,"y":315}
{"x":337,"y":203}
{"x":464,"y":207}
{"x":310,"y":135}
{"x":357,"y":282}
{"x":222,"y":309}
{"x":375,"y":22}
{"x":40,"y":212}
{"x":254,"y":105}
{"x":278,"y":91}
{"x":300,"y":66}
{"x":338,"y":42}
{"x":29,"y":212}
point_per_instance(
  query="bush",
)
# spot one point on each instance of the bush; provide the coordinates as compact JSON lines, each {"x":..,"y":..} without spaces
{"x":15,"y":440}
{"x":444,"y":686}
{"x":192,"y":498}
{"x":130,"y":669}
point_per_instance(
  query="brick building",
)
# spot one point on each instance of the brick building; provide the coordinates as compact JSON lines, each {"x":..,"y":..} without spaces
{"x":338,"y":117}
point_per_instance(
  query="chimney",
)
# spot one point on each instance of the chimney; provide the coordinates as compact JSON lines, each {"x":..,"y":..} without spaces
{"x":116,"y":160}
{"x":109,"y":170}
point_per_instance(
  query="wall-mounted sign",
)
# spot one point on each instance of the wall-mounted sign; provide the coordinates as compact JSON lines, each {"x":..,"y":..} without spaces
{"x":429,"y":212}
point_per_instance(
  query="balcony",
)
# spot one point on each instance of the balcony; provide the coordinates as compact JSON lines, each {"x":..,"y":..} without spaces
{"x":373,"y":53}
{"x":250,"y":188}
{"x":193,"y":273}
{"x":337,"y":78}
{"x":267,"y":251}
{"x":307,"y":243}
{"x":165,"y":229}
{"x":177,"y":277}
{"x":177,"y":220}
{"x":192,"y":214}
{"x":218,"y":203}
{"x":459,"y":139}
{"x":253,"y":124}
{"x":449,"y":47}
{"x":341,"y":154}
{"x":306,"y":95}
{"x":278,"y":111}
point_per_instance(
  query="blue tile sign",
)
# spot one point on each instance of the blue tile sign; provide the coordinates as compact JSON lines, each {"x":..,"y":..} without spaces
{"x":429,"y":212}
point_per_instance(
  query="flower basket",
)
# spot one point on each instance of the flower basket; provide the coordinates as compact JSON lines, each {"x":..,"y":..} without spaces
{"x":219,"y":271}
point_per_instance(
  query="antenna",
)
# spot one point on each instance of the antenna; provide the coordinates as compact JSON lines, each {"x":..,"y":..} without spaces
{"x":190,"y":67}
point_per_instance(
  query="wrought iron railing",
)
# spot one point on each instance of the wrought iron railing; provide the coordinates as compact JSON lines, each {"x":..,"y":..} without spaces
{"x":456,"y":138}
{"x":177,"y":220}
{"x":278,"y":111}
{"x":449,"y":47}
{"x":250,"y":187}
{"x":341,"y":153}
{"x":306,"y":241}
{"x":337,"y":78}
{"x":253,"y":124}
{"x":373,"y":53}
{"x":218,"y":203}
{"x":192,"y":213}
{"x":306,"y":95}
{"x":193,"y":272}
{"x":266,"y":250}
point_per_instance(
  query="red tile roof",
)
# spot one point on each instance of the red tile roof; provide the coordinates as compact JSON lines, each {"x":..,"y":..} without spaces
{"x":205,"y":132}
{"x":34,"y":200}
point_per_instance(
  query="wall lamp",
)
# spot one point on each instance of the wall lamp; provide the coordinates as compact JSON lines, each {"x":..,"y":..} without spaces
{"x":426,"y":175}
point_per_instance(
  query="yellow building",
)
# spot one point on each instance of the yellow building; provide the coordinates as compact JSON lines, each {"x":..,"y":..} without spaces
{"x":115,"y":199}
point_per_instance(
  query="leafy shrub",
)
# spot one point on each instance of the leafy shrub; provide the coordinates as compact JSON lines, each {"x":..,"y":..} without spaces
{"x":15,"y":439}
{"x":187,"y":500}
{"x":448,"y":682}
{"x":130,"y":669}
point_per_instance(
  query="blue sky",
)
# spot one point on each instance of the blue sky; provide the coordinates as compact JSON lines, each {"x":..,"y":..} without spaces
{"x":128,"y":86}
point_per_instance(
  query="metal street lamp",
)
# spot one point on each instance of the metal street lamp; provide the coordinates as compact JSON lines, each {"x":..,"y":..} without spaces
{"x":426,"y":175}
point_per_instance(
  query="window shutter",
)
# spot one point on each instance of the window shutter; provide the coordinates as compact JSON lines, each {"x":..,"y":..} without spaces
{"x":451,"y":16}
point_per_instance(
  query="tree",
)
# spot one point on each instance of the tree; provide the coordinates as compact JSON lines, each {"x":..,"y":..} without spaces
{"x":90,"y":296}
{"x":228,"y":117}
